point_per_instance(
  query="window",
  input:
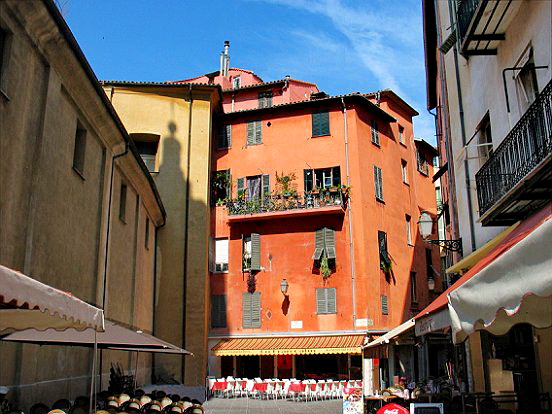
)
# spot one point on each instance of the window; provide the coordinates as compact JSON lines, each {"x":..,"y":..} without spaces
{"x":79,"y":150}
{"x":236,"y":82}
{"x":146,"y":144}
{"x":485,"y":140}
{"x":251,"y":310}
{"x":324,"y":244}
{"x":253,"y":187}
{"x":325,"y":301}
{"x":221,"y":187}
{"x":221,"y":255}
{"x":322,"y":178}
{"x":401,"y":134}
{"x":404,"y":169}
{"x":413,"y":288}
{"x":320,"y":123}
{"x":385,"y":261}
{"x":408,"y":230}
{"x":251,"y":252}
{"x":265,"y":99}
{"x":384,"y":305}
{"x":218,"y":311}
{"x":429,"y":265}
{"x":254,"y":133}
{"x":146,"y":234}
{"x":224,"y":137}
{"x":122,"y":202}
{"x":375,"y":133}
{"x":378,"y":183}
{"x":422,"y":163}
{"x":526,"y":81}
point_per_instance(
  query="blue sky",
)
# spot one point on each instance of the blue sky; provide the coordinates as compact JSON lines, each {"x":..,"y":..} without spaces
{"x":342,"y":46}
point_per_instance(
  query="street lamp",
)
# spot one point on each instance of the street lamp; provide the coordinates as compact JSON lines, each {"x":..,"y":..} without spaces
{"x":425,"y":225}
{"x":284,"y":286}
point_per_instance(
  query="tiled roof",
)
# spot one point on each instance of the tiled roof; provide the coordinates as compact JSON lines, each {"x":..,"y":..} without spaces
{"x":260,"y":85}
{"x":390,"y":92}
{"x":140,"y":83}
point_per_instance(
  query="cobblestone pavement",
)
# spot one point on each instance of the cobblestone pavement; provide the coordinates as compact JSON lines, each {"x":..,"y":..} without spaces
{"x":256,"y":406}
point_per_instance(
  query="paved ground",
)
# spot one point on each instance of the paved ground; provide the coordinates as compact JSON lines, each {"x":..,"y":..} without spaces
{"x":255,"y":406}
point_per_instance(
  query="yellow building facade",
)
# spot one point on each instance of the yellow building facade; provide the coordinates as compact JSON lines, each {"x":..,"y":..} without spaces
{"x":172,"y":127}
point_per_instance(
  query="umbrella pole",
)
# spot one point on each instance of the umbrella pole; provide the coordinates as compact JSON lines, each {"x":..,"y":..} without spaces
{"x":93,"y":379}
{"x":136,"y":371}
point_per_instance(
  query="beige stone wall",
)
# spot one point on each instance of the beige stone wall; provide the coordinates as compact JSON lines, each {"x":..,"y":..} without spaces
{"x":53,"y":221}
{"x":183,"y":160}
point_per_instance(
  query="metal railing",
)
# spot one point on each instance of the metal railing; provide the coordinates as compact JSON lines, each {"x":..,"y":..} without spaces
{"x":275,"y":203}
{"x":465,"y":12}
{"x":528,"y":143}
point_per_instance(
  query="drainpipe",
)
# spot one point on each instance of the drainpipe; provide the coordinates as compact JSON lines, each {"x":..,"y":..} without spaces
{"x":452,"y":12}
{"x":186,"y":222}
{"x":349,"y":213}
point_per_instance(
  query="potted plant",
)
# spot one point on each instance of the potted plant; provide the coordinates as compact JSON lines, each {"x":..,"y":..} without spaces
{"x":285,"y":183}
{"x":325,"y":270}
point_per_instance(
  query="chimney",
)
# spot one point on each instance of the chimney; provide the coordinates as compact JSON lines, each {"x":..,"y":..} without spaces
{"x":225,"y":59}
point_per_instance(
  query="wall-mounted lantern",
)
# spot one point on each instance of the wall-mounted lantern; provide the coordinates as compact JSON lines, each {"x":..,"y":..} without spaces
{"x":425,"y":225}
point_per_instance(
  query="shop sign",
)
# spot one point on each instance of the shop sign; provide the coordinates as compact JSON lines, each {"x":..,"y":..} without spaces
{"x":353,"y":402}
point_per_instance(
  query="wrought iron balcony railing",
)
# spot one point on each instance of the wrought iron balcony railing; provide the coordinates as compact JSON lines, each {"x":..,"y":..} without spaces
{"x":465,"y":13}
{"x":275,"y":203}
{"x":524,"y":148}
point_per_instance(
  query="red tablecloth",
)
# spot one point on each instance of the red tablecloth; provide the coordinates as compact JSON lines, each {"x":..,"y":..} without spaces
{"x":297,"y":387}
{"x":260,"y":386}
{"x":219,"y":386}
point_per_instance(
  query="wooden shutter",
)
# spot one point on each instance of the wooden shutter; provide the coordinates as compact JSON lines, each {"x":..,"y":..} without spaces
{"x":246,"y":310}
{"x":315,"y":124}
{"x":336,"y":177}
{"x":265,"y":185}
{"x":258,"y":132}
{"x":384,"y":305}
{"x":218,"y":311}
{"x":318,"y":244}
{"x":255,"y":251}
{"x":211,"y":254}
{"x":255,"y":310}
{"x":251,"y":310}
{"x":330,"y":300}
{"x":329,"y":243}
{"x":240,"y":186}
{"x":378,"y":183}
{"x":251,"y":133}
{"x":375,"y":133}
{"x":225,"y":136}
{"x":382,"y":243}
{"x":307,"y":176}
{"x":324,"y":123}
{"x":321,"y":303}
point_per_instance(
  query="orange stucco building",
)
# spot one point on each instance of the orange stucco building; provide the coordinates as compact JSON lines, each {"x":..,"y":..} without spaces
{"x":315,"y":246}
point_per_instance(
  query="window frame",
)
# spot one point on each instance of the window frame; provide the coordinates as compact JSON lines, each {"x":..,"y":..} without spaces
{"x":384,"y":301}
{"x":378,"y":184}
{"x":413,"y":289}
{"x":219,"y":311}
{"x":79,"y":149}
{"x":265,"y":99}
{"x":401,"y":135}
{"x":422,"y":163}
{"x":224,"y":133}
{"x":408,"y":220}
{"x":253,"y":322}
{"x":326,"y":301}
{"x":374,"y":130}
{"x":404,"y":171}
{"x":216,"y":256}
{"x":484,"y":133}
{"x":320,"y":124}
{"x":255,"y":127}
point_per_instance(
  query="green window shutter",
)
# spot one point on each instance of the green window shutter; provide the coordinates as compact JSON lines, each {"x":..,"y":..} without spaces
{"x":218,"y":311}
{"x":251,"y":133}
{"x":382,"y":245}
{"x":321,"y":302}
{"x":378,"y":183}
{"x":228,"y":132}
{"x":318,"y":244}
{"x":330,"y":300}
{"x":258,"y":132}
{"x":255,"y":310}
{"x":225,"y":136}
{"x":255,"y":251}
{"x":246,"y":310}
{"x":329,"y":243}
{"x":265,"y":185}
{"x":240,"y":186}
{"x":307,"y":174}
{"x":384,"y":305}
{"x":315,"y":124}
{"x":324,"y":123}
{"x":375,"y":133}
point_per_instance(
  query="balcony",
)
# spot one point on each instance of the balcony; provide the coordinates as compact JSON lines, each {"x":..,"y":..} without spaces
{"x":517,"y":179}
{"x":482,"y":24}
{"x":279,"y":206}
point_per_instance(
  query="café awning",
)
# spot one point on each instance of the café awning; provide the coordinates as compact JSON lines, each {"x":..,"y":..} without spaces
{"x":515,"y":287}
{"x":115,"y":336}
{"x":290,"y":345}
{"x":375,"y":349}
{"x":27,"y":303}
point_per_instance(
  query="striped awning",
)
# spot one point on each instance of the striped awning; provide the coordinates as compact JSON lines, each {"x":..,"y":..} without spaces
{"x":297,"y":345}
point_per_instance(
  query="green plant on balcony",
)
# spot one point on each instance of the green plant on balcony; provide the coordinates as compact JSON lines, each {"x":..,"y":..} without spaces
{"x":220,"y":187}
{"x":325,"y":269}
{"x":285,"y":184}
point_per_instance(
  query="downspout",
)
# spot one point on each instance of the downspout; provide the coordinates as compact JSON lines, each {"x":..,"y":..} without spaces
{"x":186,"y":222}
{"x":349,"y":213}
{"x":155,"y":288}
{"x":106,"y":258}
{"x":463,"y":131}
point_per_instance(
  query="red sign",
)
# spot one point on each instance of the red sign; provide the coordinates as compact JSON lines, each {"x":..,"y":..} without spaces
{"x":393,"y":409}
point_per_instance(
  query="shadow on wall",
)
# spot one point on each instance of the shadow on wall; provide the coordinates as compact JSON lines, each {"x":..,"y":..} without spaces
{"x":174,"y":272}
